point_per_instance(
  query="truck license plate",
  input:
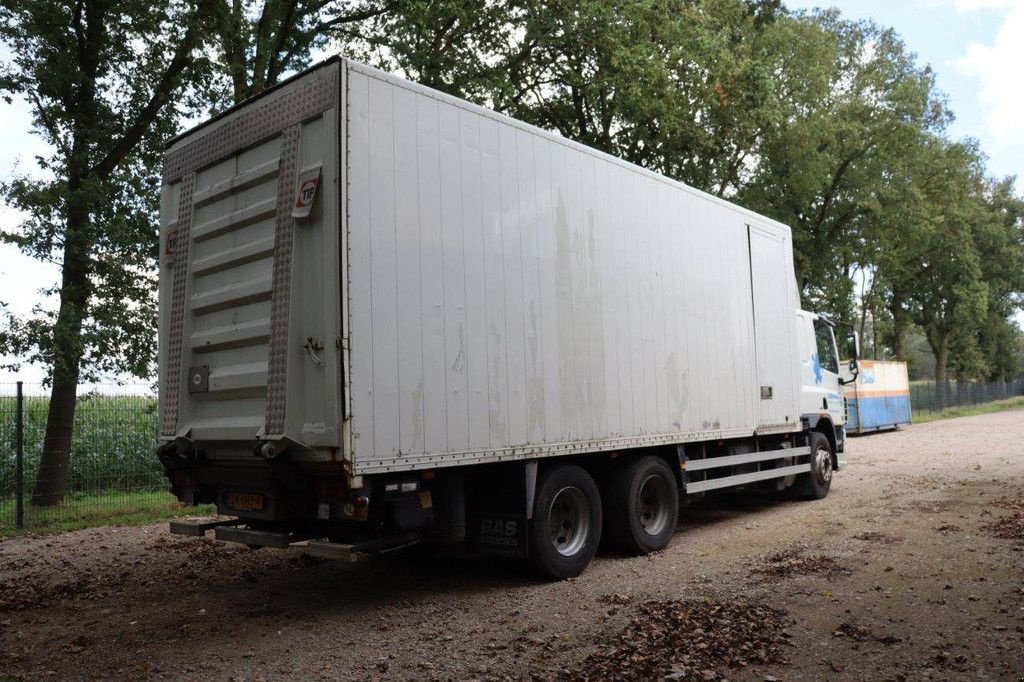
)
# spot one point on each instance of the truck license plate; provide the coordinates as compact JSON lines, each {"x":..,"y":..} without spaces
{"x":245,"y":501}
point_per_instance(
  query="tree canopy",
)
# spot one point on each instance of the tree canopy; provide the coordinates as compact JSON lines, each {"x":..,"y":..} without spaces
{"x":826,"y":124}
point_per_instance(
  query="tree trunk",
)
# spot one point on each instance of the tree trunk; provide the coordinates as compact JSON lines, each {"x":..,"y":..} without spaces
{"x":51,"y":482}
{"x":874,"y":339}
{"x":899,"y":345}
{"x":941,"y":357}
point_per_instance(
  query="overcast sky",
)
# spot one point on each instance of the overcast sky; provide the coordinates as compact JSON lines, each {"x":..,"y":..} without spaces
{"x":976,"y":48}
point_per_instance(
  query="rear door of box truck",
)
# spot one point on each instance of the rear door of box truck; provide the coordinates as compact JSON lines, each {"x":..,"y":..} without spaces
{"x":250,"y":273}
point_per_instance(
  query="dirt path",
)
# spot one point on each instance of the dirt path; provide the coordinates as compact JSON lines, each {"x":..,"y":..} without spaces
{"x":898,"y":574}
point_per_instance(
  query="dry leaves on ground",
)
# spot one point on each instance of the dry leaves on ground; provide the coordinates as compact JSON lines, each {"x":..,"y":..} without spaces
{"x":690,"y":640}
{"x":790,"y":562}
{"x":1010,"y":527}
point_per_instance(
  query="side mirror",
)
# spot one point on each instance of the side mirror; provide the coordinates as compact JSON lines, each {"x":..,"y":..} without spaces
{"x":853,"y":352}
{"x":852,"y":346}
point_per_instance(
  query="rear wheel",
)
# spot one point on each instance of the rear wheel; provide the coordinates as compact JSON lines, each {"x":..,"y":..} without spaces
{"x":815,"y":484}
{"x":642,"y":506}
{"x":567,"y":520}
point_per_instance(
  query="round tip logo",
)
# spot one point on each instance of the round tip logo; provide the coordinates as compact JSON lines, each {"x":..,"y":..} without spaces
{"x":306,"y":193}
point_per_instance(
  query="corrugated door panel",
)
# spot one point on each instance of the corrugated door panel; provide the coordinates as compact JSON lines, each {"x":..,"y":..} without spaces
{"x":235,"y":205}
{"x":246,"y":282}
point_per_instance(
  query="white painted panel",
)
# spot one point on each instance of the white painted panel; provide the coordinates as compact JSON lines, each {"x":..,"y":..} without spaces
{"x":361,"y":352}
{"x":473,"y":228}
{"x":525,"y":292}
{"x":383,"y":294}
{"x":606,"y":268}
{"x":625,"y":333}
{"x":567,"y":358}
{"x":455,"y":360}
{"x":410,"y":291}
{"x":548,"y":206}
{"x":494,"y":289}
{"x":594,"y":303}
{"x":431,"y":287}
{"x":512,"y":260}
{"x":529,"y":219}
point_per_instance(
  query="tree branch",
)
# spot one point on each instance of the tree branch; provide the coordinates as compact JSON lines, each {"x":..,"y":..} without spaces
{"x":165,"y":86}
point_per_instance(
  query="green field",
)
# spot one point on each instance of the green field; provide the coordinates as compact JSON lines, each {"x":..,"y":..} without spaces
{"x":970,"y":410}
{"x":112,"y":448}
{"x":115,"y":477}
{"x":115,"y":508}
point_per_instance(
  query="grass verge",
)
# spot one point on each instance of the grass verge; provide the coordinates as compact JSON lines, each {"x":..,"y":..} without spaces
{"x":970,"y":410}
{"x":94,"y":510}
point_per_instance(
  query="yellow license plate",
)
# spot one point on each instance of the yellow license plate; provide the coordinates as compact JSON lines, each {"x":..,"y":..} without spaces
{"x":245,"y":501}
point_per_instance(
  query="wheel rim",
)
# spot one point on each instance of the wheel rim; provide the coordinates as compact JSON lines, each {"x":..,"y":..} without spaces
{"x":569,"y":520}
{"x":823,"y":465}
{"x":652,"y":504}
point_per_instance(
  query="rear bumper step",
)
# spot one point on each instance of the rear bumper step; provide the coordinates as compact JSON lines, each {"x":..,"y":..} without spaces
{"x":198,"y":529}
{"x":253,"y":538}
{"x":322,"y":549}
{"x":227,"y":531}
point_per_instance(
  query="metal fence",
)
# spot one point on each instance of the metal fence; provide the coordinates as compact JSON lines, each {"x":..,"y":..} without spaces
{"x":113,"y":473}
{"x":927,"y":396}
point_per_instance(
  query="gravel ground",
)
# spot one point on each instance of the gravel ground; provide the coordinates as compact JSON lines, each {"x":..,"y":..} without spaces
{"x":910,"y":569}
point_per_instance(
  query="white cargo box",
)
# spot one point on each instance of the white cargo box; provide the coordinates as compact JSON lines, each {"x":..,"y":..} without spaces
{"x":367,"y":271}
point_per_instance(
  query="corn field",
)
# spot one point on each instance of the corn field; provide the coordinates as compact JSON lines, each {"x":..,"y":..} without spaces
{"x":113,"y":468}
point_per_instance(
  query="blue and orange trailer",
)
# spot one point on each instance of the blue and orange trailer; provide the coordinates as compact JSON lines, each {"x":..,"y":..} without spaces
{"x":879,"y":398}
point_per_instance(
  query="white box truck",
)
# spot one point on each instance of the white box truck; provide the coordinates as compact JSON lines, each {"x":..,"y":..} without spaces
{"x":389,"y":316}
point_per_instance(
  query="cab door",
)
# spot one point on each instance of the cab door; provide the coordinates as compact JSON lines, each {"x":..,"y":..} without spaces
{"x":824,"y":372}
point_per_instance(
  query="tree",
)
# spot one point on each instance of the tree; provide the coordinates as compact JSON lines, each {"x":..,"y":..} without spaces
{"x":259,"y":41}
{"x":107,"y":82}
{"x":834,"y":151}
{"x":990,"y":348}
{"x":951,"y":294}
{"x":456,"y":46}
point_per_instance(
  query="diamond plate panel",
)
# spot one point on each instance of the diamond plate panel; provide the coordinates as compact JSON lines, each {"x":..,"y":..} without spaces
{"x":177,"y":325}
{"x":277,"y":364}
{"x":263,"y":121}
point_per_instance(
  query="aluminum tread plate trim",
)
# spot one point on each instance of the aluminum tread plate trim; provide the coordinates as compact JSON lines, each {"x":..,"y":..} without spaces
{"x":177,"y":325}
{"x":264,"y":121}
{"x":277,"y":369}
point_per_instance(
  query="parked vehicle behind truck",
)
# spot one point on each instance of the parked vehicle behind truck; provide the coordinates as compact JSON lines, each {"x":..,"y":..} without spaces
{"x":389,"y":316}
{"x":879,"y":399}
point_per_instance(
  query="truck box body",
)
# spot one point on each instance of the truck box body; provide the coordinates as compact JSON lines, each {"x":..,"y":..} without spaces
{"x":465,"y":288}
{"x":879,"y":398}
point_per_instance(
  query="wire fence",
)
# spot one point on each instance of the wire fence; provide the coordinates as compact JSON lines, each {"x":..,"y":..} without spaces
{"x":112,"y":473}
{"x":928,"y":396}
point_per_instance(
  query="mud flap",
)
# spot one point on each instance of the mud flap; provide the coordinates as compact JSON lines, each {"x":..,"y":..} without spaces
{"x":496,"y":510}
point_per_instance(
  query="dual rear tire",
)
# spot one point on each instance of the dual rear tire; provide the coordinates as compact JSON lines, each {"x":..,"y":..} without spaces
{"x":639,"y":511}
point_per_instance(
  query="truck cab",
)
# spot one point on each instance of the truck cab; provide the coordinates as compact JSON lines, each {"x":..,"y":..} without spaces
{"x":822,"y":374}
